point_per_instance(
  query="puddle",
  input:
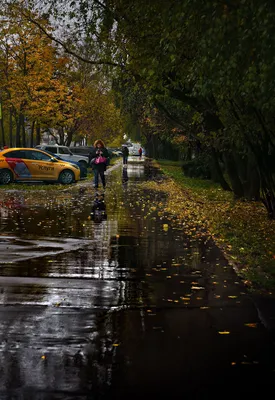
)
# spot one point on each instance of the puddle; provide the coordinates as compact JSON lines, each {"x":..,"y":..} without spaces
{"x":119,"y":306}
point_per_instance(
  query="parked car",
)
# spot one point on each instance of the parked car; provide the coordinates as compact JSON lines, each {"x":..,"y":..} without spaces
{"x":83,"y":169}
{"x":65,"y":153}
{"x":27,"y":164}
{"x":81,"y":150}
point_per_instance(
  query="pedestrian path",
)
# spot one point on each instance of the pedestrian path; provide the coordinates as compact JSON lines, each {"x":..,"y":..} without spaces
{"x":144,"y":307}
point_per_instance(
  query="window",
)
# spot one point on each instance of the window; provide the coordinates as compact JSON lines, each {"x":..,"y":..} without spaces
{"x":15,"y":154}
{"x":37,"y":155}
{"x":64,"y":150}
{"x":52,"y":149}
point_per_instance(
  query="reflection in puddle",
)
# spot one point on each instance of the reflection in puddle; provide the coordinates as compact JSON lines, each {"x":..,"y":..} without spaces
{"x":135,"y":172}
{"x":127,"y":306}
{"x":14,"y":249}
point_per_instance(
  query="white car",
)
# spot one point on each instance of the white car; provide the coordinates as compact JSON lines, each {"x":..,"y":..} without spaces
{"x":134,"y":149}
{"x":65,"y":153}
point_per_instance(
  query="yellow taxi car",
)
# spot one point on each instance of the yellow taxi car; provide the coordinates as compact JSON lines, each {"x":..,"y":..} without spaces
{"x":28,"y":164}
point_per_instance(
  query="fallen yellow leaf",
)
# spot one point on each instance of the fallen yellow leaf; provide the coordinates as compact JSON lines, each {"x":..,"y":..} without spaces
{"x":251,"y":325}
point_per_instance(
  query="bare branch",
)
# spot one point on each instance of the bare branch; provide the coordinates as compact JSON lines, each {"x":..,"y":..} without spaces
{"x":65,"y":47}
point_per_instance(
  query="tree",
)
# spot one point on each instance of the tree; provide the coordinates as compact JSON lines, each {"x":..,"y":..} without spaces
{"x":214,"y":58}
{"x":33,"y":76}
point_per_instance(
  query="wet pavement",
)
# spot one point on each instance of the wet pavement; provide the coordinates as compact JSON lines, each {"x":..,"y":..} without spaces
{"x":122,"y":307}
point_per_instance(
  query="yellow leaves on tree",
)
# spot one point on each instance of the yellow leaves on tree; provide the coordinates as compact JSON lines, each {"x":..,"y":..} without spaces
{"x":100,"y":117}
{"x":34,"y":78}
{"x":39,"y":83}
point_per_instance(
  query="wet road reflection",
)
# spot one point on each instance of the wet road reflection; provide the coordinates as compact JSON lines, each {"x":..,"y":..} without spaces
{"x":121,"y":307}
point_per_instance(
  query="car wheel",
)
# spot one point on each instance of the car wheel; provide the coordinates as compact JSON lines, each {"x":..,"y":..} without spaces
{"x":66,"y":177}
{"x":5,"y":177}
{"x":83,"y":163}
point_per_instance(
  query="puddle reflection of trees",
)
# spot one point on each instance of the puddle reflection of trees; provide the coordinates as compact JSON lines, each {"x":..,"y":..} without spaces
{"x":73,"y":343}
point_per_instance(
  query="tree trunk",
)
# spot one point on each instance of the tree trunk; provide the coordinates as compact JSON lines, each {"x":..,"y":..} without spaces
{"x":216,"y":172}
{"x":3,"y":132}
{"x":38,"y":133}
{"x":253,"y":192}
{"x":18,"y":130}
{"x":252,"y":184}
{"x":268,"y":199}
{"x":10,"y":128}
{"x":235,"y":181}
{"x":267,"y":184}
{"x":61,"y":136}
{"x":23,"y":130}
{"x":69,"y":137}
{"x":32,"y":134}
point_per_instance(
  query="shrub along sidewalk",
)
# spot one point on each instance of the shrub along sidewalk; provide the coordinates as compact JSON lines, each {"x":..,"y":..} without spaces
{"x":241,"y":228}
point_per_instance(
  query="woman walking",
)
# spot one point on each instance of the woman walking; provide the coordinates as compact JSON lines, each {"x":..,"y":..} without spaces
{"x":125,"y":153}
{"x":99,"y":162}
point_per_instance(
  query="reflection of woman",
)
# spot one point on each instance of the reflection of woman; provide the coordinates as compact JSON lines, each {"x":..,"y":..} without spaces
{"x":124,"y":176}
{"x":100,"y":159}
{"x":98,"y":212}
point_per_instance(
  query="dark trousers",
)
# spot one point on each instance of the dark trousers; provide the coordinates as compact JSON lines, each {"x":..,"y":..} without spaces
{"x":125,"y":159}
{"x":100,"y":173}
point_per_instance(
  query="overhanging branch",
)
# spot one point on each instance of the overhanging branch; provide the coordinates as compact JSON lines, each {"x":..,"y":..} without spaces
{"x":65,"y":47}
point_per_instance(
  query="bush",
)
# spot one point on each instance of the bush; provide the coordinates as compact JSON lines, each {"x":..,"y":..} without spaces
{"x":198,"y":167}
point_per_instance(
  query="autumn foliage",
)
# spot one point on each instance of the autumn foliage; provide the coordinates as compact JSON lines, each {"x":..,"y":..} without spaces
{"x":40,"y":88}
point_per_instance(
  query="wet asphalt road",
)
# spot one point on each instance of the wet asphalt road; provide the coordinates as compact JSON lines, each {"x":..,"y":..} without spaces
{"x":121,"y":308}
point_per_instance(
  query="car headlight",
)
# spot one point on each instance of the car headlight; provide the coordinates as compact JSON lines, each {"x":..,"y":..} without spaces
{"x":75,"y":166}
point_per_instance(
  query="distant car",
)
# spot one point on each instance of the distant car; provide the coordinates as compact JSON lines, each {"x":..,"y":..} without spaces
{"x":27,"y":164}
{"x":83,"y":170}
{"x":118,"y":153}
{"x":133,"y":151}
{"x":114,"y":152}
{"x":65,"y":153}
